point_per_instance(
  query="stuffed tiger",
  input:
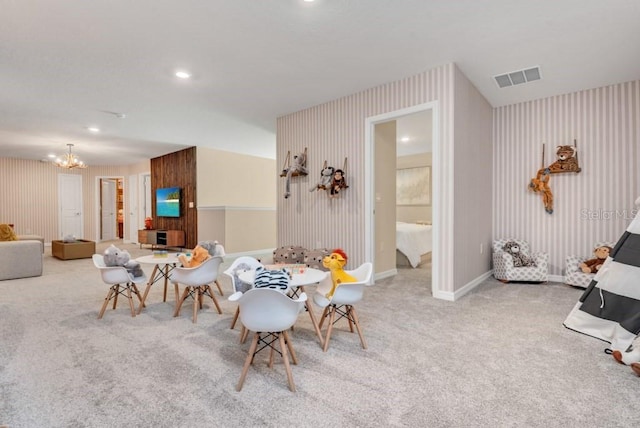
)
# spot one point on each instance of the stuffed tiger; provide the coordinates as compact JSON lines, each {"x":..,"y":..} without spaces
{"x":567,"y":162}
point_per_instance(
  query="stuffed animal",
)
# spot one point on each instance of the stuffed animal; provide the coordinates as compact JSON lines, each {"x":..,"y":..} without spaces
{"x":7,"y":233}
{"x":148,"y":223}
{"x":566,"y":160}
{"x":540,"y":184}
{"x":519,"y":258}
{"x":214,"y":248}
{"x":298,"y":166}
{"x":335,"y":263}
{"x":594,"y":265}
{"x":198,"y":256}
{"x":69,"y":238}
{"x":630,"y":358}
{"x":114,"y":256}
{"x":337,"y":183}
{"x":326,"y":177}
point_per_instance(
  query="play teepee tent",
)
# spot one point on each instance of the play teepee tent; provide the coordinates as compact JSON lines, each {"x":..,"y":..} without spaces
{"x":609,"y":309}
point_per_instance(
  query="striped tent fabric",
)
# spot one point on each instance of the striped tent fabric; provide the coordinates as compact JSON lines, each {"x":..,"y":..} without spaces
{"x":609,"y":309}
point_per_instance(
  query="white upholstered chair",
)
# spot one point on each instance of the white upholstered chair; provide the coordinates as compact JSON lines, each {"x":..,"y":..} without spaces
{"x":241,"y":264}
{"x":197,"y":282}
{"x":345,"y":297}
{"x":574,"y":275}
{"x":505,"y":271}
{"x":121,"y":283}
{"x":269,"y":314}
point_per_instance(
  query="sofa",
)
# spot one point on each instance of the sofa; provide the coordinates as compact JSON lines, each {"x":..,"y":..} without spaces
{"x":21,"y":258}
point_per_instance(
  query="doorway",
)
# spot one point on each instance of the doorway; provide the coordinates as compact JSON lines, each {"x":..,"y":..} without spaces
{"x":373,"y":197}
{"x":111,"y":220}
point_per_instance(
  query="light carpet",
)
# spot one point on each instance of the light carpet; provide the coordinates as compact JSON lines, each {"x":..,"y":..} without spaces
{"x":497,"y":357}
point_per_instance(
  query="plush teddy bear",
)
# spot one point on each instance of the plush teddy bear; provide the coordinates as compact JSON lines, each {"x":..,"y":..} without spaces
{"x":594,"y":265}
{"x":519,"y":258}
{"x":326,"y":177}
{"x":198,"y":256}
{"x":114,"y":256}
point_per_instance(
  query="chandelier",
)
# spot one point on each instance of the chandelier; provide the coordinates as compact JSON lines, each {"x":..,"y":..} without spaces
{"x":69,"y":160}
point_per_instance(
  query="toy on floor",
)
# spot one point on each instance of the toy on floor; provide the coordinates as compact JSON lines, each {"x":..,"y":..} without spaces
{"x":198,"y":256}
{"x":114,"y":256}
{"x":630,"y":358}
{"x":594,"y":265}
{"x":335,"y":263}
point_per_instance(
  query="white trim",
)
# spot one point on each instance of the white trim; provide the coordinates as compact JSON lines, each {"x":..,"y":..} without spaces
{"x":469,"y":286}
{"x":556,"y":278}
{"x":436,"y":203}
{"x":387,"y":274}
{"x":251,"y":253}
{"x":233,"y":208}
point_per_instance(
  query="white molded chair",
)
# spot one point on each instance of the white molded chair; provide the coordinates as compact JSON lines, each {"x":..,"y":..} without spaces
{"x":241,"y":264}
{"x":345,"y":296}
{"x":269,"y":314}
{"x":574,"y":275}
{"x":121,"y":282}
{"x":505,"y":271}
{"x":196,"y":281}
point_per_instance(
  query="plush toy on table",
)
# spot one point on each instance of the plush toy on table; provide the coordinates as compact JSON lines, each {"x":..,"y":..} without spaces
{"x":335,"y":263}
{"x":148,"y":223}
{"x":198,"y":256}
{"x":338,"y":182}
{"x":519,"y":258}
{"x":114,"y":256}
{"x":594,"y":265}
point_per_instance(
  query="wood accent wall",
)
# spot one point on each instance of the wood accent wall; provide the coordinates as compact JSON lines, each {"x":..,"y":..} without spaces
{"x":177,"y":169}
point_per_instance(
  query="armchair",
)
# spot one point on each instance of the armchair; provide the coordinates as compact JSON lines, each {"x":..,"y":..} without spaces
{"x":505,"y":271}
{"x":574,"y":275}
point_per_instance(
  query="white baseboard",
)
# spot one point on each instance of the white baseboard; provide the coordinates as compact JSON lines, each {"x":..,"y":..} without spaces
{"x":386,"y":274}
{"x":251,"y":253}
{"x":453,"y":296}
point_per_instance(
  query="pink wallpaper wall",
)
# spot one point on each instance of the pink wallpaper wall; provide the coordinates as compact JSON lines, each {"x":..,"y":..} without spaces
{"x":594,"y":205}
{"x":335,"y":131}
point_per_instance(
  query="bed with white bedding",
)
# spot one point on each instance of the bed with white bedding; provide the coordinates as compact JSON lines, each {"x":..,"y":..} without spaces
{"x":414,"y":243}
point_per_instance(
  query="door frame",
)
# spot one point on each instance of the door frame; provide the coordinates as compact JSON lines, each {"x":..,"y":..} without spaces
{"x":436,"y":168}
{"x":98,"y":202}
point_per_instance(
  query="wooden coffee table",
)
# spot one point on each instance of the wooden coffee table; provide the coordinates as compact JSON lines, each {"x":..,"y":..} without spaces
{"x":78,"y":249}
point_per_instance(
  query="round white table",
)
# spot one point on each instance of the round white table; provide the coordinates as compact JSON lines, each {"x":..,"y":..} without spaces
{"x":298,"y":281}
{"x":163,"y":266}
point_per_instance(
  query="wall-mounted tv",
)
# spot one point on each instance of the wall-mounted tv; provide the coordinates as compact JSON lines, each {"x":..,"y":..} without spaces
{"x":168,"y":202}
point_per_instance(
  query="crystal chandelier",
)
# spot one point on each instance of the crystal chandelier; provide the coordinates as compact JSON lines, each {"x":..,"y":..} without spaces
{"x":69,"y":160}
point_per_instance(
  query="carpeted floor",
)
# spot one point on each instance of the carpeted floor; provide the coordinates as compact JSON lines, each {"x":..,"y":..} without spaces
{"x":497,"y":357}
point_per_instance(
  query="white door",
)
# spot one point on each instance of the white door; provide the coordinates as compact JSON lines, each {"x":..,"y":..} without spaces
{"x":108,"y":204}
{"x":70,"y":221}
{"x":131,"y":219}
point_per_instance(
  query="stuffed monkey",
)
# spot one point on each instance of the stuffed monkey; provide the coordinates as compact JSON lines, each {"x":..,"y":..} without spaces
{"x":594,"y":265}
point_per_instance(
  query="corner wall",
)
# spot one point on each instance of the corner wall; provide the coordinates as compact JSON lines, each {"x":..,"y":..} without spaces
{"x":594,"y":205}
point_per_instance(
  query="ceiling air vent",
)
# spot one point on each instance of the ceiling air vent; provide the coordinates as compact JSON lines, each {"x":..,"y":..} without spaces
{"x":517,"y":77}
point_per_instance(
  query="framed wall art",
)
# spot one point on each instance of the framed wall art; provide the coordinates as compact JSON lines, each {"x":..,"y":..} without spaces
{"x":413,"y":186}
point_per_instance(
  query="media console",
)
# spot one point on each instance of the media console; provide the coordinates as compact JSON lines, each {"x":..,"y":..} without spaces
{"x":161,"y":238}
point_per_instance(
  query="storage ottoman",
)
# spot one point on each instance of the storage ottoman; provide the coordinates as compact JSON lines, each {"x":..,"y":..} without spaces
{"x":79,"y":249}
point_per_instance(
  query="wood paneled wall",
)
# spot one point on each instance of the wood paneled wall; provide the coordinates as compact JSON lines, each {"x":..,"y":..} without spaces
{"x":177,"y":170}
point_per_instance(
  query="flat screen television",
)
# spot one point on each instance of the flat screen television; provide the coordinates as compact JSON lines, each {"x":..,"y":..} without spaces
{"x":168,"y":202}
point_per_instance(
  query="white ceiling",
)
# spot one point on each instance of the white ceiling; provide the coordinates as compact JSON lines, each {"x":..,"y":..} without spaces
{"x":66,"y":65}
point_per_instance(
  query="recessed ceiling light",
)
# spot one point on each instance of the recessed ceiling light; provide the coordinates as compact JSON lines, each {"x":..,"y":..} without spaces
{"x":308,"y":1}
{"x":51,"y":156}
{"x":404,"y":139}
{"x":93,"y":129}
{"x":183,"y":74}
